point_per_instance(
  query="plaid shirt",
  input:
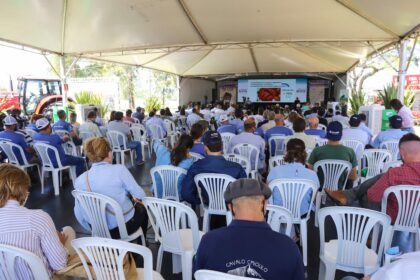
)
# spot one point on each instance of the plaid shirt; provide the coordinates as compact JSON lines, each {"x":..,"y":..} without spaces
{"x":407,"y":174}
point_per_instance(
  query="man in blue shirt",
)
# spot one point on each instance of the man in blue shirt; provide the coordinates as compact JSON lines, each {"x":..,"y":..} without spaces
{"x":237,"y":121}
{"x":213,"y":163}
{"x":364,"y":127}
{"x":10,"y":135}
{"x":45,"y":136}
{"x":314,"y":129}
{"x":139,"y":114}
{"x":61,"y":124}
{"x":155,"y":120}
{"x":279,"y":129}
{"x":393,"y":133}
{"x":248,"y":247}
{"x":225,"y":126}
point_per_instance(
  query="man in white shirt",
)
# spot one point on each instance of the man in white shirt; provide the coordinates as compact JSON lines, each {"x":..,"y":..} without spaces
{"x":340,"y":118}
{"x":231,"y":109}
{"x":90,"y":126}
{"x":354,"y":132}
{"x":271,"y":123}
{"x":193,"y":117}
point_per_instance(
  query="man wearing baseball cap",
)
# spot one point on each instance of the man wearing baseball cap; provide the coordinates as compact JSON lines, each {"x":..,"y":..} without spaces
{"x":334,"y":150}
{"x":10,"y":135}
{"x":354,"y":132}
{"x":248,"y":247}
{"x":44,"y":136}
{"x":225,"y":126}
{"x":393,"y":133}
{"x":214,"y":162}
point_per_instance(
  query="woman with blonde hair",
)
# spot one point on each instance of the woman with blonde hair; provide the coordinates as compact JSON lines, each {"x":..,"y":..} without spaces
{"x":114,"y":181}
{"x":31,"y":230}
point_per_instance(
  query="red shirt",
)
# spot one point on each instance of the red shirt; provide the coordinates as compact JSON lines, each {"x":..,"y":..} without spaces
{"x":407,"y":174}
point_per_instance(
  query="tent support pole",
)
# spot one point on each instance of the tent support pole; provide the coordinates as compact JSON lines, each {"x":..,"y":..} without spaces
{"x":51,"y":65}
{"x":402,"y":69}
{"x":63,"y":76}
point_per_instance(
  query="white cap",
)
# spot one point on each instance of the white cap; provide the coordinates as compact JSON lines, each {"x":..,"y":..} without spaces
{"x":42,"y":123}
{"x":9,"y":120}
{"x":223,"y":118}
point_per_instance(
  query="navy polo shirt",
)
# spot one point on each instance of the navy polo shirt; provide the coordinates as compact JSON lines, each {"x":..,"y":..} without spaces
{"x":250,"y":249}
{"x":210,"y":164}
{"x":53,"y":140}
{"x":63,"y":125}
{"x":19,"y":139}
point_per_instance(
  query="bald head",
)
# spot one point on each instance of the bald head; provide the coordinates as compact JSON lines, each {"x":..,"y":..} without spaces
{"x":279,"y":119}
{"x":313,"y":122}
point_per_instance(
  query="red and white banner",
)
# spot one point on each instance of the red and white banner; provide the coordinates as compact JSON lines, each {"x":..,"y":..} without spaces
{"x":412,"y":82}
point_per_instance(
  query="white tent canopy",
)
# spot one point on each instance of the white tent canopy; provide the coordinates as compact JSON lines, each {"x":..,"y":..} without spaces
{"x":201,"y":37}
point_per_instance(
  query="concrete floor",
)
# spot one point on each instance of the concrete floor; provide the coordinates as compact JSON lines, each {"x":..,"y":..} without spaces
{"x":61,"y":210}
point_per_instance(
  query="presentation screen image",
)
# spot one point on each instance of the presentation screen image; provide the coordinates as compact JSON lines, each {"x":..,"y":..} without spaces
{"x":272,"y":90}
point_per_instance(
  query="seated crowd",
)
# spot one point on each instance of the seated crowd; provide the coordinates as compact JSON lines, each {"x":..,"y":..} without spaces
{"x":277,"y":144}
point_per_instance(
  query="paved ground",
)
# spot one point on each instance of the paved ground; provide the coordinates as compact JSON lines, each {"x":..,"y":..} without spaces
{"x":61,"y":210}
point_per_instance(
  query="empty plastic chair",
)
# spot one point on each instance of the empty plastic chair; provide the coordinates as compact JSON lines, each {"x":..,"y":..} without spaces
{"x":349,"y":252}
{"x":243,"y":161}
{"x":226,"y":137}
{"x":106,"y":257}
{"x":276,"y":145}
{"x":139,"y":135}
{"x":214,"y":203}
{"x":392,"y":147}
{"x":96,"y":207}
{"x":277,"y":216}
{"x":169,"y":178}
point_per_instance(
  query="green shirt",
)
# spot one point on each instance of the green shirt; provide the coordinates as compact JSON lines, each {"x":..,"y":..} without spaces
{"x":339,"y":152}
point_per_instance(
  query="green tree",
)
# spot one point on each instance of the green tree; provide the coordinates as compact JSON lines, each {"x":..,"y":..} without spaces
{"x":165,"y":85}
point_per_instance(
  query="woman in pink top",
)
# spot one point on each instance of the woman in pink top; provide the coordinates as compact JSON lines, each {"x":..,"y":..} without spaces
{"x":128,"y":119}
{"x":405,"y":113}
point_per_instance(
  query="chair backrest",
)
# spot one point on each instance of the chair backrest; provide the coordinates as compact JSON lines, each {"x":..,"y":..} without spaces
{"x":215,"y":186}
{"x":276,"y":161}
{"x":249,"y":151}
{"x":391,"y":164}
{"x":168,"y":217}
{"x":204,"y":274}
{"x":169,"y":176}
{"x":136,"y":120}
{"x":322,"y":127}
{"x":85,"y":135}
{"x":118,"y":140}
{"x":12,"y":258}
{"x":196,"y":156}
{"x":43,"y":150}
{"x":70,"y":148}
{"x":29,"y":131}
{"x":375,"y":160}
{"x":277,"y":143}
{"x":293,"y":193}
{"x":60,"y":132}
{"x":277,"y":216}
{"x":392,"y":147}
{"x":137,"y":133}
{"x":106,"y":257}
{"x":356,"y":145}
{"x":226,"y":137}
{"x":353,"y":226}
{"x":321,"y":142}
{"x":332,"y":171}
{"x":95,"y":206}
{"x":170,"y":126}
{"x":243,"y":161}
{"x":11,"y":149}
{"x":156,"y":131}
{"x":408,"y":199}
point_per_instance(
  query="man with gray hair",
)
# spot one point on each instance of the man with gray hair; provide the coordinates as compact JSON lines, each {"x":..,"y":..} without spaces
{"x":313,"y":129}
{"x":245,"y":246}
{"x":271,"y":123}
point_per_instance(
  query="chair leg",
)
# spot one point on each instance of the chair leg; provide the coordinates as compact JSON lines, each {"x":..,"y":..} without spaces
{"x":206,"y":218}
{"x":42,"y":180}
{"x":304,"y":241}
{"x":326,"y":271}
{"x":159,"y":259}
{"x":317,"y":207}
{"x":187,"y":258}
{"x":56,"y":182}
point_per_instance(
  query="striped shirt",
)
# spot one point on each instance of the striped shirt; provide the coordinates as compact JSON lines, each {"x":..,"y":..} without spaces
{"x":34,"y":231}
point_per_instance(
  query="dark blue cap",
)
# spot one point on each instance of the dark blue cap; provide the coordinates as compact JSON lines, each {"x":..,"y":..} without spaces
{"x":334,"y":131}
{"x":211,"y":137}
{"x":355,"y":120}
{"x":395,"y":121}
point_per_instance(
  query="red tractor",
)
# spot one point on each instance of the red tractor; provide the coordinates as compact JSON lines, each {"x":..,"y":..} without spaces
{"x":35,"y":95}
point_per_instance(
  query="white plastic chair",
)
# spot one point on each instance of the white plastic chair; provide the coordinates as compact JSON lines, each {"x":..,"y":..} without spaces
{"x":226,"y":137}
{"x":204,"y":274}
{"x":322,"y":127}
{"x":277,"y":216}
{"x":275,"y":161}
{"x":106,"y":257}
{"x":85,"y":135}
{"x":349,"y":251}
{"x":139,"y":135}
{"x":321,"y":142}
{"x":408,"y":199}
{"x":61,"y":132}
{"x":171,"y":131}
{"x":167,"y":217}
{"x":243,"y":161}
{"x":215,"y":185}
{"x":196,"y":156}
{"x":43,"y":150}
{"x":332,"y":170}
{"x":156,"y":132}
{"x":279,"y":142}
{"x":356,"y":145}
{"x":374,"y":160}
{"x":252,"y":153}
{"x":119,"y":146}
{"x":169,"y":176}
{"x":292,"y":193}
{"x":392,"y":147}
{"x":391,"y":164}
{"x":10,"y":150}
{"x":11,"y":257}
{"x":96,"y":207}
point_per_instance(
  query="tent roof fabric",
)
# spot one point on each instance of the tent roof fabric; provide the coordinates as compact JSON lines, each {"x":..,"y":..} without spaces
{"x":199,"y":37}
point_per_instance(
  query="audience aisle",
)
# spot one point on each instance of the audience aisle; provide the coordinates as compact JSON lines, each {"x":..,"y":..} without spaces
{"x":60,"y":208}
